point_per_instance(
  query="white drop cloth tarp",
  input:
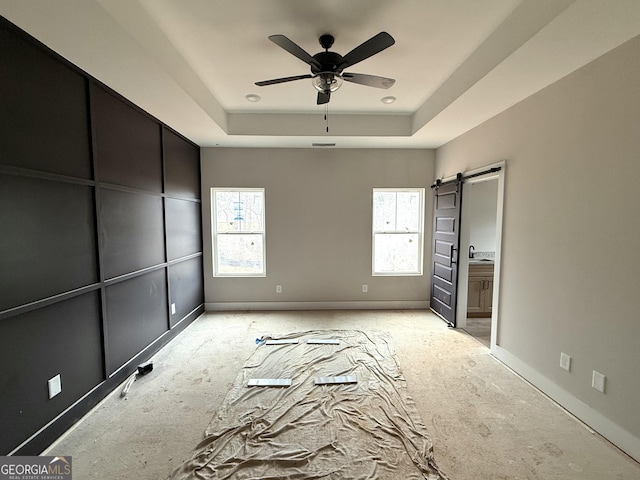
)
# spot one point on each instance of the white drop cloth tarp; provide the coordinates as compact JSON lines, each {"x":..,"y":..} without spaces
{"x":367,"y":430}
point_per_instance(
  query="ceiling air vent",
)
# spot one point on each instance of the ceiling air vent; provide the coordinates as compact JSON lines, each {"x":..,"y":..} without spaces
{"x":323,"y":144}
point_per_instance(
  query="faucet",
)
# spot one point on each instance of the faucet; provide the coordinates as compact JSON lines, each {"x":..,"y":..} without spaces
{"x":471,"y":251}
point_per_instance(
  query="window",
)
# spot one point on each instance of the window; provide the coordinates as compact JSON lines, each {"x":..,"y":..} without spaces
{"x":397,"y":231}
{"x":238,"y":232}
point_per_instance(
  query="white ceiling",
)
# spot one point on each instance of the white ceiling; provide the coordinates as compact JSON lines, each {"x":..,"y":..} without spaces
{"x":456,"y":63}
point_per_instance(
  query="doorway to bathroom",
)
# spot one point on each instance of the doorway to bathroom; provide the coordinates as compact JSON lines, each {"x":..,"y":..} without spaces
{"x":452,"y":254}
{"x":477,"y":261}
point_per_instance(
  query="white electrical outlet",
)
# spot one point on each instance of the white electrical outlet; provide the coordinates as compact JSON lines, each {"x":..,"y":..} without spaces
{"x":565,"y":361}
{"x":365,"y":288}
{"x":598,"y":381}
{"x":278,"y":288}
{"x":173,"y":309}
{"x":55,"y":386}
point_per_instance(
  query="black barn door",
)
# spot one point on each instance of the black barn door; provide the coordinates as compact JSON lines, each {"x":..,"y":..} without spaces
{"x":446,"y":239}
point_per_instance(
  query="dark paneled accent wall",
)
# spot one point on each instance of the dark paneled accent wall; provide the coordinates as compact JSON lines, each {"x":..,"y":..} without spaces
{"x":44,"y":111}
{"x":48,"y":241}
{"x":136,"y":315}
{"x":132,"y":231}
{"x":100,"y":235}
{"x":129,"y":141}
{"x":184,"y":283}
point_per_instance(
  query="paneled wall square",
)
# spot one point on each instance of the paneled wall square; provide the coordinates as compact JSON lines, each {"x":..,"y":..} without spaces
{"x":44,"y":111}
{"x":137,"y":314}
{"x":63,"y":338}
{"x":184,"y":231}
{"x":128,"y":146}
{"x":48,"y":244}
{"x":186,"y":287}
{"x":132,"y":231}
{"x":182,"y":167}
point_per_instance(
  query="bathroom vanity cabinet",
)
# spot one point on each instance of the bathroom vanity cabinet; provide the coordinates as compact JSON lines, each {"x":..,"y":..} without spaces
{"x":480,"y":291}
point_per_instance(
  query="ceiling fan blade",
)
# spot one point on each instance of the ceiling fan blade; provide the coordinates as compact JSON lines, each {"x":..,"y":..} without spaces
{"x":282,"y":80}
{"x":323,"y":97}
{"x":294,"y":49}
{"x":374,"y":45}
{"x":368,"y":80}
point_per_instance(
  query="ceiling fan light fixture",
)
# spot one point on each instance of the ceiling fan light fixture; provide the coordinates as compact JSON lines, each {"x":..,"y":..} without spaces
{"x":388,"y":100}
{"x":252,"y":97}
{"x":326,"y":82}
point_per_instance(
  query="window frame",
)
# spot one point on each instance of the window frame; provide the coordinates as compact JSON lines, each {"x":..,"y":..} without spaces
{"x":215,"y":233}
{"x":395,"y":231}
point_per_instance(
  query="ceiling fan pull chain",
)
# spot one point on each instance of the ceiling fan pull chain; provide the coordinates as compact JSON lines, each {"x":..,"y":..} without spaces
{"x":326,"y":115}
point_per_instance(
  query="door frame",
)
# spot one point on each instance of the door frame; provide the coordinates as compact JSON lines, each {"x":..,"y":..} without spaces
{"x":463,"y":271}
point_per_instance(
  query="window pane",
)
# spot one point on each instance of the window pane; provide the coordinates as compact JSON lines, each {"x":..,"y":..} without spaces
{"x":251,"y":210}
{"x":241,"y":211}
{"x":239,"y":231}
{"x":397,"y":253}
{"x":408,"y":212}
{"x":226,"y":211}
{"x":384,"y":211}
{"x":240,"y":254}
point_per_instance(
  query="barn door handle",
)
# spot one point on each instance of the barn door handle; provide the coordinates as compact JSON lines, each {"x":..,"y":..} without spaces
{"x":453,"y":249}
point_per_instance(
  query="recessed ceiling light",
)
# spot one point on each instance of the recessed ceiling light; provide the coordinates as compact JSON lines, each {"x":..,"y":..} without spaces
{"x":252,"y":97}
{"x":388,"y":99}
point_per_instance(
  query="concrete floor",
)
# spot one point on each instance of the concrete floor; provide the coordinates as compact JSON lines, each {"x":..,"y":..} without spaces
{"x":485,"y":422}
{"x":480,"y":329}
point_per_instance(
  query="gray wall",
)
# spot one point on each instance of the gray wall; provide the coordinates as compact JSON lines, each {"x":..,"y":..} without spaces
{"x":570,"y":253}
{"x":318,"y":220}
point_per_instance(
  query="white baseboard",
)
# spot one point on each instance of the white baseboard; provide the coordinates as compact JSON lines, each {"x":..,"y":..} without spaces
{"x":621,"y":438}
{"x":355,"y":305}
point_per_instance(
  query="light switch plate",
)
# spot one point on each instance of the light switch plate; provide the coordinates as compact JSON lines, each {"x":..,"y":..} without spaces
{"x":55,"y":386}
{"x":173,"y":309}
{"x":565,"y":361}
{"x":598,"y":381}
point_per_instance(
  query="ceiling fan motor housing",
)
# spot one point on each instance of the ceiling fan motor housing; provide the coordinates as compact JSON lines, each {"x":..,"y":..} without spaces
{"x":329,"y":62}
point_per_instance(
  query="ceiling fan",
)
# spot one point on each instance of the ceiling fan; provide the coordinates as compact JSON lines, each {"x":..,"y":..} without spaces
{"x":327,"y":68}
